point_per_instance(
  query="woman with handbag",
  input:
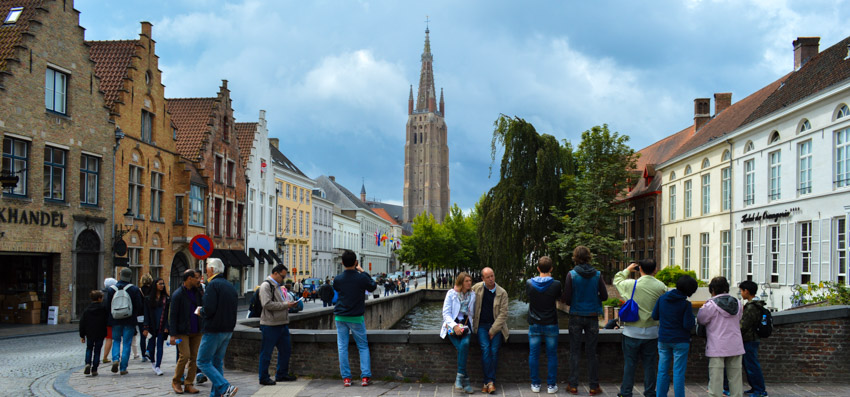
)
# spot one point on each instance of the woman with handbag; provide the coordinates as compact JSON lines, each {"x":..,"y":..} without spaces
{"x":157,"y":305}
{"x":458,"y":309}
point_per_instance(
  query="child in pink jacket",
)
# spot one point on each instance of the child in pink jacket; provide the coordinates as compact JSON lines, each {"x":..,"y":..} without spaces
{"x":721,"y":316}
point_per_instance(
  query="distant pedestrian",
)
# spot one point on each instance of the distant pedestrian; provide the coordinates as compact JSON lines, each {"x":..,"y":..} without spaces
{"x":126,"y":313}
{"x":146,"y":286}
{"x":186,"y":326}
{"x":750,"y":320}
{"x":724,"y":345}
{"x":107,"y":341}
{"x":584,"y":291}
{"x":675,"y":317}
{"x":543,"y":292}
{"x":351,"y":286}
{"x":388,"y":287}
{"x":640,"y":338}
{"x":93,"y":330}
{"x":157,"y":305}
{"x":458,"y":309}
{"x":490,"y":323}
{"x":415,"y":284}
{"x":326,"y":294}
{"x":219,"y":314}
{"x":274,"y":326}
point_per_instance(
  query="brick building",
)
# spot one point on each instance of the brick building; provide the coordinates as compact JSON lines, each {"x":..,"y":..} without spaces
{"x":146,"y":158}
{"x":206,"y":137}
{"x":55,"y":210}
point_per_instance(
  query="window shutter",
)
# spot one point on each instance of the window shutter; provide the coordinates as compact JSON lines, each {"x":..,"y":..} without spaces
{"x":759,"y":267}
{"x":783,"y":253}
{"x":826,"y":235}
{"x":792,"y":257}
{"x":738,"y":260}
{"x":814,"y":266}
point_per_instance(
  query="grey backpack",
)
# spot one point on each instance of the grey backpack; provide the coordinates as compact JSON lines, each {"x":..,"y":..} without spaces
{"x":122,"y":305}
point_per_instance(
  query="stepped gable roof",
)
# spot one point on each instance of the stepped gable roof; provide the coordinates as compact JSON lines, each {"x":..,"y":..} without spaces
{"x":730,"y":119}
{"x":112,"y":59}
{"x":827,"y":68}
{"x":245,"y":137}
{"x":283,"y":161}
{"x":192,"y":118}
{"x":383,"y":214}
{"x":11,"y":34}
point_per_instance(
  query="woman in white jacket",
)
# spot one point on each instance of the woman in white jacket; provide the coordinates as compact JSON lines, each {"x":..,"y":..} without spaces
{"x":458,"y":309}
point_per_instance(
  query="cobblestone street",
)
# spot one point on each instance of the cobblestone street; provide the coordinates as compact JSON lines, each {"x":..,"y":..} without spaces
{"x":30,"y":365}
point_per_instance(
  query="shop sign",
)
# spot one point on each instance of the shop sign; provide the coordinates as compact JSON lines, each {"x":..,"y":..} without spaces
{"x":35,"y":218}
{"x":768,"y":216}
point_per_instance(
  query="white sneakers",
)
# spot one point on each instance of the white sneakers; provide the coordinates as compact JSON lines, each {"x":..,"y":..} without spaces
{"x":535,"y":388}
{"x":552,"y":389}
{"x":158,"y":371}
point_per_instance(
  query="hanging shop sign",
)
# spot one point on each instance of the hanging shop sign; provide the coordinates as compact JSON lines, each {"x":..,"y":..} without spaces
{"x":768,"y":216}
{"x":35,"y":218}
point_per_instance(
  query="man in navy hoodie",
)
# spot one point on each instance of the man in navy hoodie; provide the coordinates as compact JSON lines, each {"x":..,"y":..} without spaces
{"x":543,"y":292}
{"x":675,"y":320}
{"x":351,"y":286}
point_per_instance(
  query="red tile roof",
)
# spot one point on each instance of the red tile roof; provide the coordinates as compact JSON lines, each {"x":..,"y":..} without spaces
{"x":245,"y":136}
{"x":654,"y":154}
{"x":112,"y":59}
{"x":384,"y":214}
{"x":192,"y":116}
{"x":10,"y":35}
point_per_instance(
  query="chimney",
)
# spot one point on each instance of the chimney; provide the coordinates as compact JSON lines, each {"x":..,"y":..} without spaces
{"x":275,"y":142}
{"x":722,"y":100}
{"x":332,"y":178}
{"x":702,"y":112}
{"x":805,"y":48}
{"x":146,"y":29}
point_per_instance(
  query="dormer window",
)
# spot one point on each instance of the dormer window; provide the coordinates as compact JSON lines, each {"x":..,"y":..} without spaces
{"x":805,"y":125}
{"x":13,"y":16}
{"x":774,"y":137}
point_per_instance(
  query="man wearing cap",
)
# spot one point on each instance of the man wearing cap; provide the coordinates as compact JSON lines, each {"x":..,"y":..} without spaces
{"x":219,"y":318}
{"x":123,"y":329}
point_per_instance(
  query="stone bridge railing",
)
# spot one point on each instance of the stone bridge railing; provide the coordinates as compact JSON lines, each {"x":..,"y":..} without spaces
{"x":808,"y":345}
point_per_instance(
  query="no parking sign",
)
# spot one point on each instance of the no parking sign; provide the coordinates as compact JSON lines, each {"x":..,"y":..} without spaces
{"x":201,"y":246}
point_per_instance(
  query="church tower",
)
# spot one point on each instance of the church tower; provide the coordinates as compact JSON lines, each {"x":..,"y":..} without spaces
{"x":426,"y":152}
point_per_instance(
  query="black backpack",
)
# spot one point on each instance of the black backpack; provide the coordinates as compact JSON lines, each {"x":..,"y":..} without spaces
{"x":765,"y":326}
{"x":255,"y":308}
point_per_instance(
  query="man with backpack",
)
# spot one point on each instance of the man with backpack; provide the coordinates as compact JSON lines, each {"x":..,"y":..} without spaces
{"x":326,"y":294}
{"x":640,"y":337}
{"x":126,"y":312}
{"x":751,"y":322}
{"x":274,"y":325}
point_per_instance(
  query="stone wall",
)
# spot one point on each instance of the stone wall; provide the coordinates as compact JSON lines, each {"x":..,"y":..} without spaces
{"x":808,"y":345}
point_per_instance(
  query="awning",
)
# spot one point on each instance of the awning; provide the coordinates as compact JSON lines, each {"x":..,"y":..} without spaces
{"x":275,"y":257}
{"x":267,"y":257}
{"x":242,"y":258}
{"x":236,"y":258}
{"x":252,"y":253}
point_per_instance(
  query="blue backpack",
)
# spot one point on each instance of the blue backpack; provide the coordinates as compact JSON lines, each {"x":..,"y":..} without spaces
{"x":630,"y":311}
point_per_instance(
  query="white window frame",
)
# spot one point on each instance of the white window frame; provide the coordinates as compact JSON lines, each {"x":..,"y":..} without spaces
{"x":726,"y":188}
{"x":251,"y":209}
{"x":841,"y":253}
{"x":749,"y":251}
{"x":671,"y":251}
{"x":686,"y":252}
{"x":706,"y":194}
{"x":53,"y":93}
{"x":773,"y":241}
{"x":705,"y":252}
{"x":804,"y":173}
{"x":688,"y":198}
{"x":805,"y":252}
{"x":672,"y":202}
{"x":197,"y":204}
{"x":842,"y":158}
{"x":726,"y":254}
{"x":775,"y":175}
{"x":749,"y":182}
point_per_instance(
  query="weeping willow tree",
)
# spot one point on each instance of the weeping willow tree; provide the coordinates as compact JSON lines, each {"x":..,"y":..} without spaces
{"x":516,"y":215}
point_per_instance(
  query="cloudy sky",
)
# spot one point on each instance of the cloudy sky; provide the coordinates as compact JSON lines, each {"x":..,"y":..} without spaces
{"x":334,"y":76}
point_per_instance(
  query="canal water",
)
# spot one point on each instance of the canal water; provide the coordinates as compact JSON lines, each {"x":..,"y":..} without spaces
{"x":427,"y":316}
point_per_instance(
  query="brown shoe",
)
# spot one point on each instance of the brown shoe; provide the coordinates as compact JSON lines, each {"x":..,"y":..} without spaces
{"x":485,"y":388}
{"x":178,"y":388}
{"x":595,"y":391}
{"x":191,"y":389}
{"x":572,"y":389}
{"x":491,"y":388}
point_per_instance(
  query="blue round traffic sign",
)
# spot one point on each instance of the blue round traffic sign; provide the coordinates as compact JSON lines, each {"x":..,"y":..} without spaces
{"x":201,"y":246}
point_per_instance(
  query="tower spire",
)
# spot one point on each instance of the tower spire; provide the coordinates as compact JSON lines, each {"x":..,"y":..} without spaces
{"x":442,"y":104}
{"x":426,"y":75}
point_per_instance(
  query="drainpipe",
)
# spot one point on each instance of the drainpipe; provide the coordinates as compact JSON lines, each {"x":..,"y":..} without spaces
{"x":245,"y":226}
{"x":119,"y":135}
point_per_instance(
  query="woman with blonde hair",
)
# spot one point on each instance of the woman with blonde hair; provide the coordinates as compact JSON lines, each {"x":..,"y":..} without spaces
{"x":458,"y":310}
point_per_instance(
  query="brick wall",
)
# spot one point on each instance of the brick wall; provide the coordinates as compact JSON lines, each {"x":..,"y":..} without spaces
{"x":807,"y":346}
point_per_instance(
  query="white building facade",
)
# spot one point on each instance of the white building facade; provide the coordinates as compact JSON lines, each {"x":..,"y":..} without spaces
{"x":322,"y":256}
{"x":346,"y":236}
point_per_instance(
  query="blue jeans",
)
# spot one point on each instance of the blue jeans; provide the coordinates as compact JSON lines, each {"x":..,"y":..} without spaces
{"x":461,"y":343}
{"x":122,"y":339}
{"x":677,"y":355}
{"x":211,"y":360}
{"x":359,"y":332}
{"x":275,"y":336}
{"x":589,"y":326}
{"x":93,"y":347}
{"x":536,"y":334}
{"x":489,"y":351}
{"x":645,"y":350}
{"x":753,"y":367}
{"x":155,"y":346}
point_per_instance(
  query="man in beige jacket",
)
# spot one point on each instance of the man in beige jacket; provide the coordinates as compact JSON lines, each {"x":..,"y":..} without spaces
{"x":274,"y":325}
{"x":490,"y":323}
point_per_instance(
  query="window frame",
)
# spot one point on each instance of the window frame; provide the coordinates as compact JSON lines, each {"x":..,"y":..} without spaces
{"x":749,"y":182}
{"x":686,"y":252}
{"x":705,"y":255}
{"x":688,"y":197}
{"x":726,"y":188}
{"x":749,"y":253}
{"x":805,"y":252}
{"x":726,"y":254}
{"x":51,"y":107}
{"x":179,"y":208}
{"x":671,"y":251}
{"x":11,"y":159}
{"x":672,"y":196}
{"x":136,"y":189}
{"x":841,"y":251}
{"x":50,"y":168}
{"x":196,"y":196}
{"x":842,"y":158}
{"x":774,"y":167}
{"x":157,"y":193}
{"x":146,"y":126}
{"x":85,"y":174}
{"x":706,"y":194}
{"x":804,"y":168}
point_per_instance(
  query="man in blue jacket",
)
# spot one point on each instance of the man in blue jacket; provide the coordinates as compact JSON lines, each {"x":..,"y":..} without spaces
{"x":219,"y":319}
{"x":123,"y":329}
{"x":351,"y":286}
{"x":675,"y":317}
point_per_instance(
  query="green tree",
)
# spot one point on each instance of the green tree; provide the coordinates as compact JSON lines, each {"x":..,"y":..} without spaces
{"x":516,"y":215}
{"x":592,"y":214}
{"x":461,"y":240}
{"x":426,"y":246}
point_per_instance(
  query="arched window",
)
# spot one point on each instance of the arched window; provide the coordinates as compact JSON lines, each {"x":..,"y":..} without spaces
{"x":688,"y":170}
{"x":843,"y":111}
{"x":726,"y":156}
{"x":774,"y":137}
{"x":749,"y":147}
{"x":672,"y":175}
{"x":705,"y":163}
{"x":804,"y":125}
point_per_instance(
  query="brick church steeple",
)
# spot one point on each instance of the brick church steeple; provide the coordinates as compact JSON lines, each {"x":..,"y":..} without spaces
{"x":426,"y":151}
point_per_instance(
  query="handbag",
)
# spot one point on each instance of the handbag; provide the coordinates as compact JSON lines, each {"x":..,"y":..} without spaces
{"x":630,"y":311}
